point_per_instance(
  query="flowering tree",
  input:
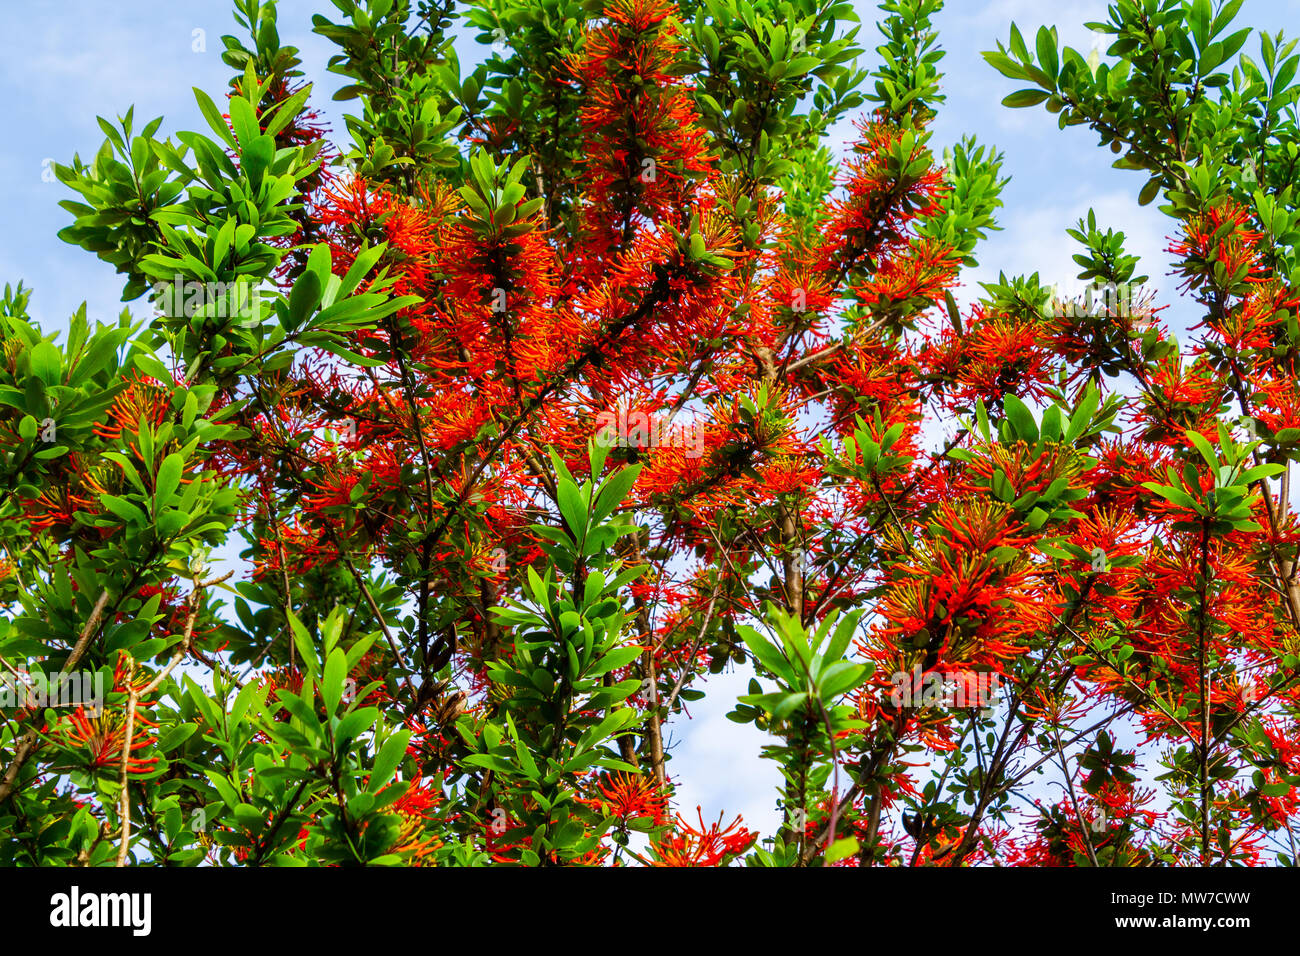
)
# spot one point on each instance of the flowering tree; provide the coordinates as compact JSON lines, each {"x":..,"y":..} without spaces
{"x":586,"y":372}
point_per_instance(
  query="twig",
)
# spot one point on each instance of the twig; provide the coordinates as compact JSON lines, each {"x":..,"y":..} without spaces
{"x":25,"y":746}
{"x":133,"y":699}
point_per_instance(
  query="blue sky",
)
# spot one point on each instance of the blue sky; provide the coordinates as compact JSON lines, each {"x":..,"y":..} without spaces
{"x":71,"y":60}
{"x":78,"y":59}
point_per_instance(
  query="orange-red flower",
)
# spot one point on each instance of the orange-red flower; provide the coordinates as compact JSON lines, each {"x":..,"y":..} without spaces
{"x":630,"y":796}
{"x":101,"y":738}
{"x":706,"y":845}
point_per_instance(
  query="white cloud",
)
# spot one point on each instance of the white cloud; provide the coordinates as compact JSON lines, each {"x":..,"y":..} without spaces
{"x":715,"y":762}
{"x":1034,"y":239}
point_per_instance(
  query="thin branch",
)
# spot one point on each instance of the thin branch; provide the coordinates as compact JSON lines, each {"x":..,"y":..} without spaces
{"x":25,"y":746}
{"x":133,"y":699}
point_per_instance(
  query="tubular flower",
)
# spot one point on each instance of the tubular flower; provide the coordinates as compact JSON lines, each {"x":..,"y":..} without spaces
{"x":631,"y":796}
{"x":101,"y":737}
{"x":142,"y":398}
{"x":997,"y":356}
{"x":355,"y":214}
{"x":872,"y":220}
{"x":644,"y":143}
{"x":912,"y":280}
{"x":1217,"y":237}
{"x":705,"y":845}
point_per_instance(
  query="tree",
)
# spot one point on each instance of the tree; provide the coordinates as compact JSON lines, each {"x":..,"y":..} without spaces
{"x":587,"y":371}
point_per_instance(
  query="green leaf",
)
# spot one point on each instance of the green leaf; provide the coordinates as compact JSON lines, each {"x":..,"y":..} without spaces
{"x":387,"y":760}
{"x":843,"y":634}
{"x":336,"y":671}
{"x":1174,"y":495}
{"x":615,"y":659}
{"x":243,"y":119}
{"x":356,"y":723}
{"x":1022,"y":98}
{"x":173,"y":737}
{"x":47,"y":363}
{"x":768,"y":655}
{"x":1150,"y":190}
{"x":613,"y":491}
{"x":1021,"y":419}
{"x":1082,"y":416}
{"x":492,"y":762}
{"x":1045,"y":45}
{"x":214,"y":118}
{"x":302,"y":640}
{"x":840,"y":678}
{"x":841,"y":849}
{"x":1203,"y":446}
{"x":786,"y":705}
{"x":573,"y":508}
{"x":168,"y":480}
{"x":360,"y":268}
{"x":303,"y":299}
{"x":124,"y":509}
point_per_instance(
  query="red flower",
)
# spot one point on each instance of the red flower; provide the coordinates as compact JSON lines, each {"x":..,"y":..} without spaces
{"x":631,"y":796}
{"x":1217,"y":237}
{"x":103,"y":736}
{"x":705,"y":845}
{"x":142,"y":398}
{"x":871,"y":221}
{"x":644,"y":142}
